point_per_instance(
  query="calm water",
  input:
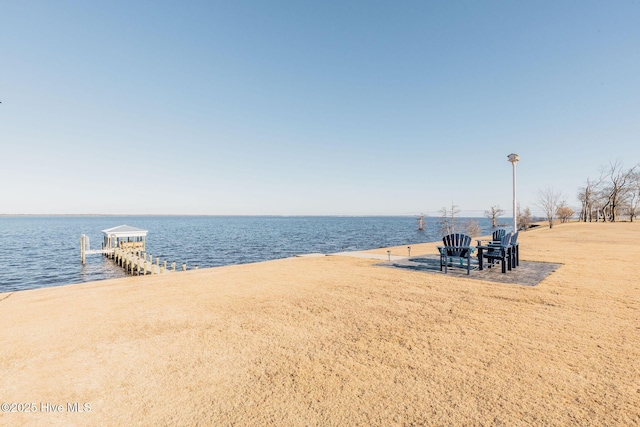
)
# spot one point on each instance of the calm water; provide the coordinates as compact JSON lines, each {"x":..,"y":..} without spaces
{"x":38,"y":252}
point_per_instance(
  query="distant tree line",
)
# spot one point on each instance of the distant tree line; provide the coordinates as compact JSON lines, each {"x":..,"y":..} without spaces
{"x":448,"y":223}
{"x":615,"y":193}
{"x":524,"y":217}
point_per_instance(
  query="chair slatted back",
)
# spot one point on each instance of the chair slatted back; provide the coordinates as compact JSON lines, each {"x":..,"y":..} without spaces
{"x":461,"y":243}
{"x":500,"y":245}
{"x":505,"y":241}
{"x":514,"y":238}
{"x":499,"y":234}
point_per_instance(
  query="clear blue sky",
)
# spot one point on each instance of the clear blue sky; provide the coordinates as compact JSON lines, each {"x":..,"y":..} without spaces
{"x":299,"y":107}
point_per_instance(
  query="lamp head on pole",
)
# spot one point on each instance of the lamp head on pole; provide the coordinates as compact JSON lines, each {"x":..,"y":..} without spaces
{"x":513,"y":158}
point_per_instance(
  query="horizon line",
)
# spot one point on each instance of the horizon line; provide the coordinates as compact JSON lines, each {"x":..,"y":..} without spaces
{"x":221,"y":215}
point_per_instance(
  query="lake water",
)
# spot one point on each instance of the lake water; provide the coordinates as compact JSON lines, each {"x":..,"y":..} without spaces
{"x":38,"y":252}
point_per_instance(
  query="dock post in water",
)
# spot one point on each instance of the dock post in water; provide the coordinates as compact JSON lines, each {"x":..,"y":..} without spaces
{"x":83,"y":249}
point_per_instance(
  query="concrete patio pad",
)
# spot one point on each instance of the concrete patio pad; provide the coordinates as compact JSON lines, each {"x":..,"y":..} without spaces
{"x":527,"y":273}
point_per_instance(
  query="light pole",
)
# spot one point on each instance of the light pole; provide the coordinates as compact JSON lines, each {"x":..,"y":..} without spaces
{"x":513,"y":158}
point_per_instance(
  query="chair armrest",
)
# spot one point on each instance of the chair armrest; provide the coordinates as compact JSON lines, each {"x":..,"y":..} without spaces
{"x":445,"y":249}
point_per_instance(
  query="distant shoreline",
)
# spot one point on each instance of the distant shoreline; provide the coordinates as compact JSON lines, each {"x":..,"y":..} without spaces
{"x":228,"y":215}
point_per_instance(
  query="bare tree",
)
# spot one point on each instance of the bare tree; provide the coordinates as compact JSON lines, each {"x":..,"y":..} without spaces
{"x":471,"y":227}
{"x":524,"y":218}
{"x":493,"y":214}
{"x":616,"y":188}
{"x":601,"y":205}
{"x":634,"y":196}
{"x":587,"y":196}
{"x":447,"y":221}
{"x":548,"y":201}
{"x":564,"y":212}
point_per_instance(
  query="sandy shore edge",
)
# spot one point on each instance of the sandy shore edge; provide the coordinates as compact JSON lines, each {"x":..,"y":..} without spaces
{"x":337,"y":341}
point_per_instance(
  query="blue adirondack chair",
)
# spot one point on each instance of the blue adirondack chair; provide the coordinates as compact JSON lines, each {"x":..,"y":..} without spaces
{"x":455,"y":246}
{"x":500,"y":252}
{"x":498,"y":235}
{"x":515,"y":250}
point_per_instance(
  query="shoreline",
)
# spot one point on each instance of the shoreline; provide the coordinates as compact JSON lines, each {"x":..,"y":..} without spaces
{"x":48,"y":257}
{"x":335,"y":340}
{"x":231,"y":215}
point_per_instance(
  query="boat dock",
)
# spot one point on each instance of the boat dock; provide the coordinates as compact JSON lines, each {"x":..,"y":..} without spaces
{"x":126,"y":246}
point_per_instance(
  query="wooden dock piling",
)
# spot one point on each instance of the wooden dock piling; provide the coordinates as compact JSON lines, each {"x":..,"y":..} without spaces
{"x":83,"y":249}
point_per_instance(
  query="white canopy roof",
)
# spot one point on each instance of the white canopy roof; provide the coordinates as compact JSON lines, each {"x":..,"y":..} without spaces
{"x":125,"y":231}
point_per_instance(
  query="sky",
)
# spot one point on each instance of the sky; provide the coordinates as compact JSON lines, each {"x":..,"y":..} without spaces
{"x":311,"y":107}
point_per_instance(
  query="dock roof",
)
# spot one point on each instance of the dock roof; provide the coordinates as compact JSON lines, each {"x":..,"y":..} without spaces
{"x":125,"y":231}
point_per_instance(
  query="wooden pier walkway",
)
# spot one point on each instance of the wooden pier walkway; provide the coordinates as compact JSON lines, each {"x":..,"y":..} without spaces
{"x":126,"y":246}
{"x":137,"y":263}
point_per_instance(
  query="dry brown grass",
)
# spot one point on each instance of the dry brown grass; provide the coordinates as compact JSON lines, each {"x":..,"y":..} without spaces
{"x":339,"y":341}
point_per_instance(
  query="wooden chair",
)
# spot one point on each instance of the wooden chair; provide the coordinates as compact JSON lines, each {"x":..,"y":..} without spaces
{"x":455,"y":246}
{"x":498,"y":235}
{"x":500,"y":252}
{"x":515,"y":250}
